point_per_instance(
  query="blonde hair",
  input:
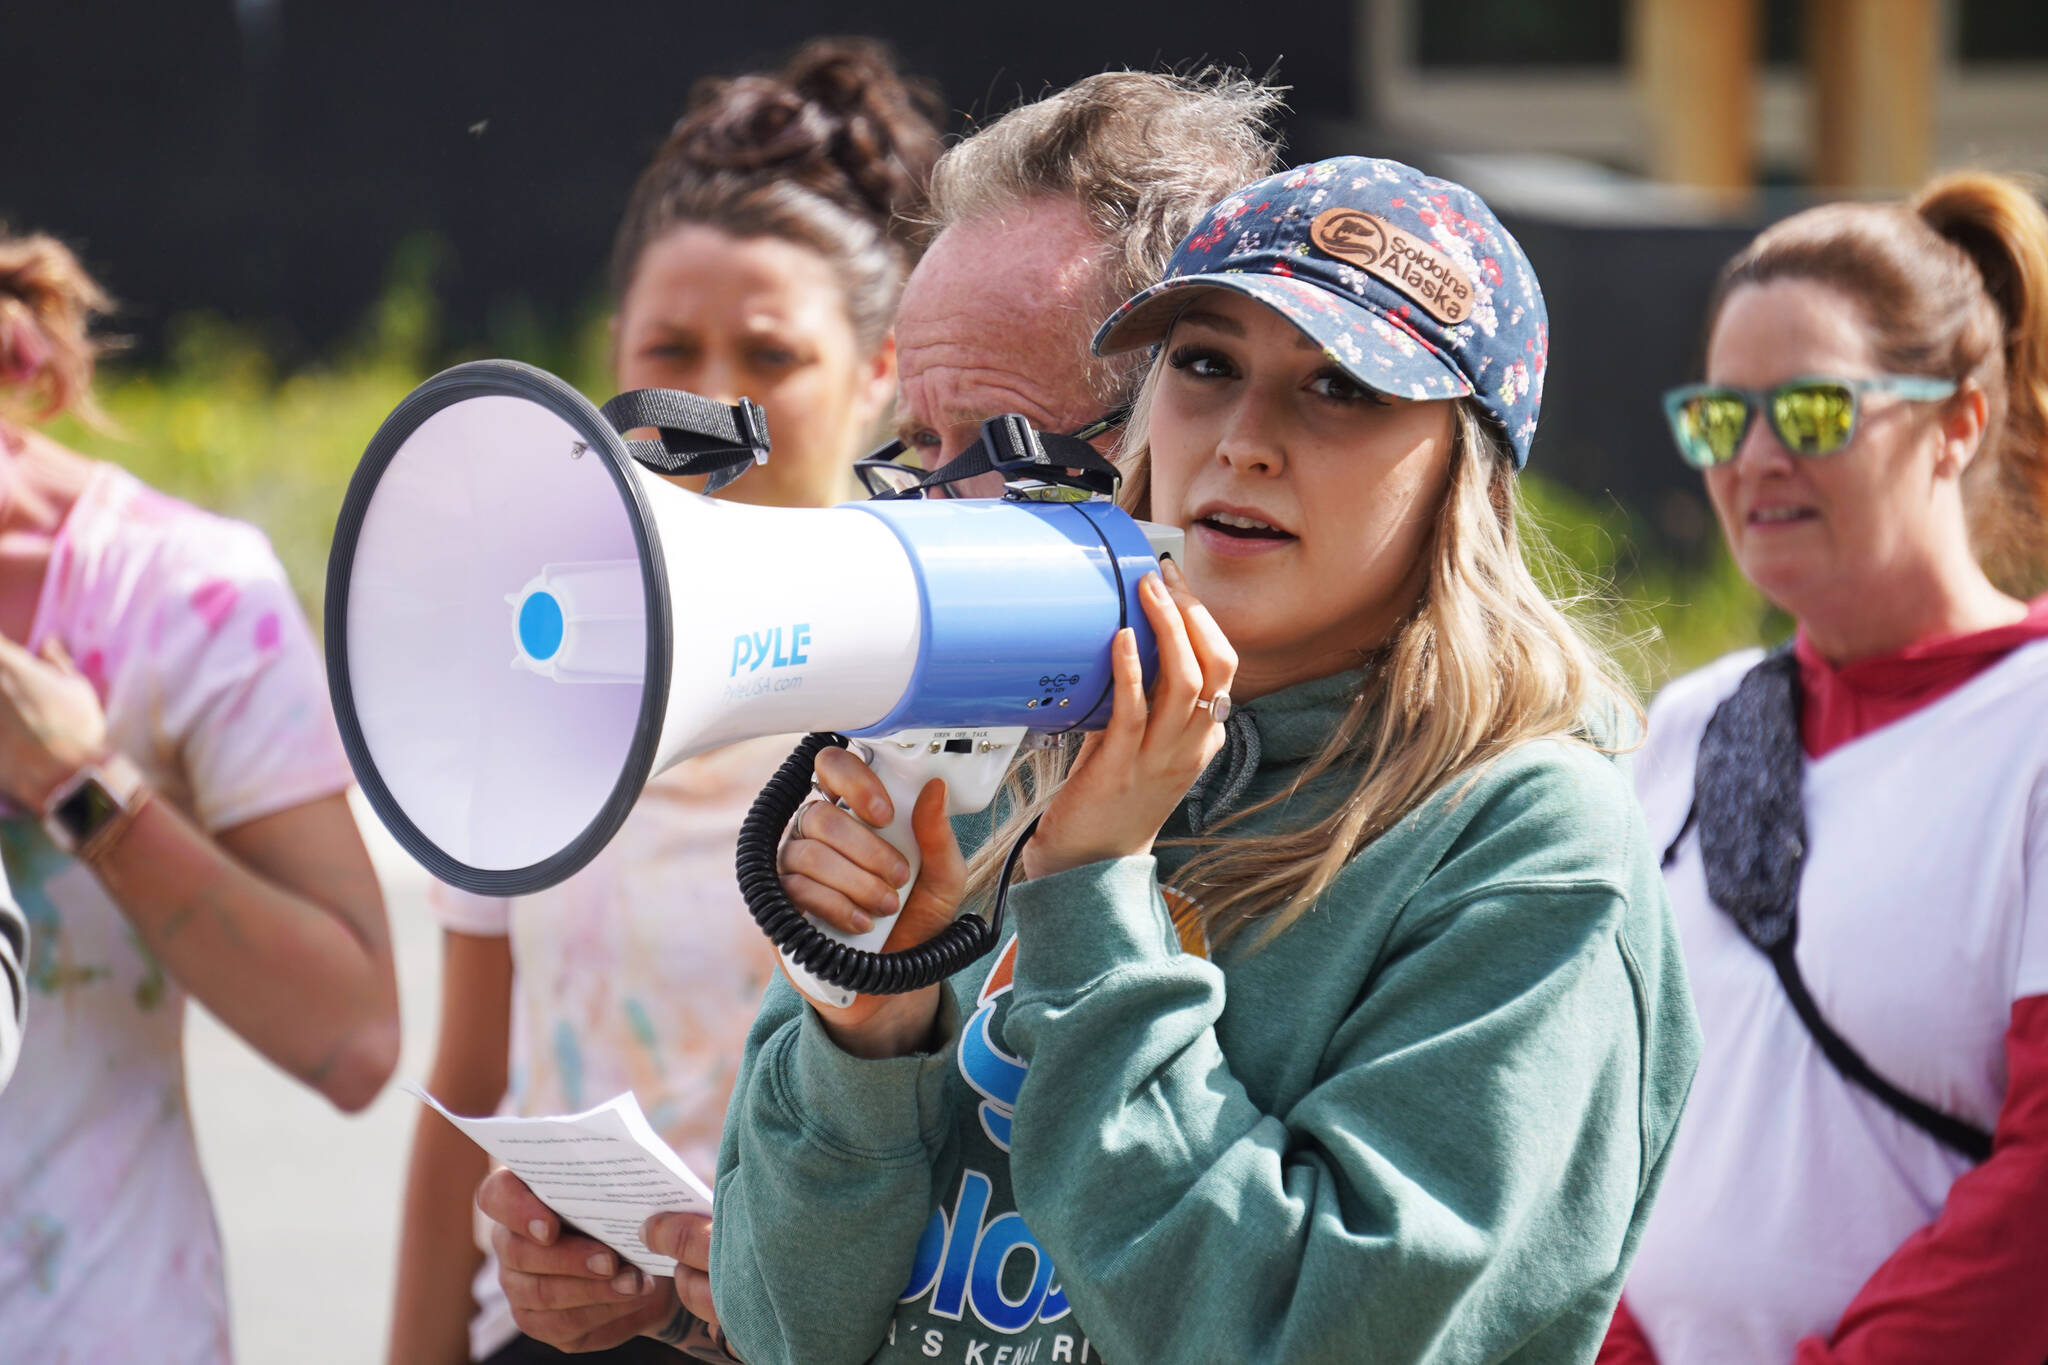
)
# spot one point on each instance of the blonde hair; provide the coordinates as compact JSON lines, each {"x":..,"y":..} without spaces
{"x":1953,"y":284}
{"x":1483,"y":663}
{"x":47,"y":353}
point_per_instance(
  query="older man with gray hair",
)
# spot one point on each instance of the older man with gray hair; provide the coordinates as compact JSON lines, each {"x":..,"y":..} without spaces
{"x":1043,"y":222}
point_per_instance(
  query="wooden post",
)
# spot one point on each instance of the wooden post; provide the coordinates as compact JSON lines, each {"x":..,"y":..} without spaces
{"x":1695,"y":72}
{"x":1873,"y":66}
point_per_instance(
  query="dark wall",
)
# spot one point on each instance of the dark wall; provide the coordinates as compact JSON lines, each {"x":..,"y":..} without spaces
{"x":263,"y":158}
{"x":1627,"y":316}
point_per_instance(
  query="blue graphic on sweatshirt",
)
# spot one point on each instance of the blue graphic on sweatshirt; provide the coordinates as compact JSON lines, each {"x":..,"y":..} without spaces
{"x":977,"y":1259}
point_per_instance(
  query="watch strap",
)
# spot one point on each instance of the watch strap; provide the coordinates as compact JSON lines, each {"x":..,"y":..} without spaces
{"x":91,"y":809}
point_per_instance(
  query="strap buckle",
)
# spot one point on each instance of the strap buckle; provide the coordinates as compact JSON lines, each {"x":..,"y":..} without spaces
{"x":698,"y":435}
{"x":1036,"y":465}
{"x":752,"y":422}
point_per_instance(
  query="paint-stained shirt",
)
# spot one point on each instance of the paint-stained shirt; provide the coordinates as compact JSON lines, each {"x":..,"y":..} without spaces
{"x":641,"y":972}
{"x":187,"y":628}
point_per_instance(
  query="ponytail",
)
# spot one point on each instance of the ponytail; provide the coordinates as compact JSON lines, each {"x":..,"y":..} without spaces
{"x":2000,"y":225}
{"x":47,"y":302}
{"x":1953,"y":285}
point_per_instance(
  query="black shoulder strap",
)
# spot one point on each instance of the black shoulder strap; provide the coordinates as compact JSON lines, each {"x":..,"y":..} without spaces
{"x":1752,"y":838}
{"x":1011,"y":446}
{"x":1950,"y":1131}
{"x":698,"y":435}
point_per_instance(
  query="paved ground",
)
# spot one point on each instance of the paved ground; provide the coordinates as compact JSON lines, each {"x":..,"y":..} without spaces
{"x":308,"y":1199}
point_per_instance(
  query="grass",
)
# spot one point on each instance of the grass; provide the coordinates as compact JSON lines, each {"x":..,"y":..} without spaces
{"x":216,"y":423}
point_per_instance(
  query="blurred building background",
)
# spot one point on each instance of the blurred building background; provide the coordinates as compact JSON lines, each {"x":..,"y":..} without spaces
{"x":1634,"y":145}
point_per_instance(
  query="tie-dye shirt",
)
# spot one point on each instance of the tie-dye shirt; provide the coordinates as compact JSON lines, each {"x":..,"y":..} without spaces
{"x":212,"y":685}
{"x":641,"y":972}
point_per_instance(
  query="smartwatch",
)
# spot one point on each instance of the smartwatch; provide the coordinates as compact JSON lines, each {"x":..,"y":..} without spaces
{"x":93,"y":805}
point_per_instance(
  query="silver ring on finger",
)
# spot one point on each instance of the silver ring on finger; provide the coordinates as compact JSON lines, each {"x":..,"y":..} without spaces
{"x":1217,"y":706}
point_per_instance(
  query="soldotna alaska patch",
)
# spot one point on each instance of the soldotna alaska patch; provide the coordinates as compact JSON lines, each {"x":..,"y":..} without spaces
{"x":1415,"y":267}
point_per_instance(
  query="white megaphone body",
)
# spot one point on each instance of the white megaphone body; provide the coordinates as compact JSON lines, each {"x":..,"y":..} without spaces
{"x":524,"y":624}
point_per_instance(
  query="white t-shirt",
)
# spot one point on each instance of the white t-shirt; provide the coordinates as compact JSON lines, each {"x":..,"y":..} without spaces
{"x":212,"y":685}
{"x":1923,"y":915}
{"x":642,"y":972}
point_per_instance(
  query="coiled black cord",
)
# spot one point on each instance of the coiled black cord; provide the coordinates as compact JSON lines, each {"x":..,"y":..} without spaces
{"x":853,"y":969}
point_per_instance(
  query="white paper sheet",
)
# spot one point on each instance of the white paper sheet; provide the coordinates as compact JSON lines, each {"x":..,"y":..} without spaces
{"x":606,"y":1170}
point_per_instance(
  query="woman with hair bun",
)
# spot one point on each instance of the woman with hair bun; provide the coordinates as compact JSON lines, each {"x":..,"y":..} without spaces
{"x":1856,"y":825}
{"x":760,"y":255}
{"x":176,"y":825}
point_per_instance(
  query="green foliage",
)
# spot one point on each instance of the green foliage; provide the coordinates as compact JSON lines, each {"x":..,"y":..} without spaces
{"x":217,"y":424}
{"x":1659,"y":616}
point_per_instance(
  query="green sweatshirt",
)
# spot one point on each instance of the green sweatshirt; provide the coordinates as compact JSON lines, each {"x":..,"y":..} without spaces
{"x":1424,"y":1124}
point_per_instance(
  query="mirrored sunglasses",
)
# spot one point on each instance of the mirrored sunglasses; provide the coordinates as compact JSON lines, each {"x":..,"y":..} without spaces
{"x":1814,"y":415}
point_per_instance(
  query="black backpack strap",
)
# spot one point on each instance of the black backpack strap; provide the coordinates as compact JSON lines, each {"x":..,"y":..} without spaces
{"x":698,"y":435}
{"x":1967,"y":1138}
{"x":1752,"y":839}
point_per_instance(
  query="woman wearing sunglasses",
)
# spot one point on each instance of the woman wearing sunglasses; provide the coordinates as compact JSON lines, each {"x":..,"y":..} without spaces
{"x":1342,"y":1021}
{"x":1857,"y":825}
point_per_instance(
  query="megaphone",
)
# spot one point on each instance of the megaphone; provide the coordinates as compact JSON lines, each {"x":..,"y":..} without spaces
{"x":524,"y":624}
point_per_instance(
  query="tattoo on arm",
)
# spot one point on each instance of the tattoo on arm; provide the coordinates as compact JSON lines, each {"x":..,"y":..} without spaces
{"x":677,"y":1330}
{"x":696,"y":1338}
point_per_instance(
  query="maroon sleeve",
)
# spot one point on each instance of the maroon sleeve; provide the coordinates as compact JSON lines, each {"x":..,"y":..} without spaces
{"x":1625,"y":1344}
{"x":1969,"y":1285}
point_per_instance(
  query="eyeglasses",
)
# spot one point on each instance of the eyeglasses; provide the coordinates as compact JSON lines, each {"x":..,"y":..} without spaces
{"x":884,"y":474}
{"x":1810,"y":416}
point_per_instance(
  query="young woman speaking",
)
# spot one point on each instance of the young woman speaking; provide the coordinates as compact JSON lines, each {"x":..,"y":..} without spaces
{"x":1343,"y":1017}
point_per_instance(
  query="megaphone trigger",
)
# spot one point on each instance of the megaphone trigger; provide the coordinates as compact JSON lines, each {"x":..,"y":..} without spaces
{"x":972,"y":764}
{"x":833,"y":967}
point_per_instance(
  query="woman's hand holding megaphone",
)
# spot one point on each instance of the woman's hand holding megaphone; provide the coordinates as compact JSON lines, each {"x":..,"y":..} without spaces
{"x":1125,"y":783}
{"x":836,"y":867}
{"x":1130,"y":775}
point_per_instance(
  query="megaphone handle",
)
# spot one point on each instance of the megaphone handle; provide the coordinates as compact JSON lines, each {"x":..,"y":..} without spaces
{"x":905,"y":762}
{"x":903,"y":785}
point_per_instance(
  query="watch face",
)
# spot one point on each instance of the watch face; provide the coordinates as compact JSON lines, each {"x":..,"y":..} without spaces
{"x":85,"y":810}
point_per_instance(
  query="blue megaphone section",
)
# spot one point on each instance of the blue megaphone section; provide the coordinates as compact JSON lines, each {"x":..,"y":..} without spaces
{"x":1066,"y":577}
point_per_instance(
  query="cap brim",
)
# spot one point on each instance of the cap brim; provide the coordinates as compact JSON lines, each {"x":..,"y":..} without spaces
{"x":1373,"y":348}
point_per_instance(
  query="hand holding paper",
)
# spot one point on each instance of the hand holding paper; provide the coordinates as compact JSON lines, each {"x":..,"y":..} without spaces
{"x":605,"y":1170}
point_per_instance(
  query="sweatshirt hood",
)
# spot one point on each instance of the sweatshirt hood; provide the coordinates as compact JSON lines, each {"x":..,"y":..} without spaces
{"x":1283,"y":728}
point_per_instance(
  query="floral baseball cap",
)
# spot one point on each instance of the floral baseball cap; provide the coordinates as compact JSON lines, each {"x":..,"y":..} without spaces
{"x":1408,"y":282}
